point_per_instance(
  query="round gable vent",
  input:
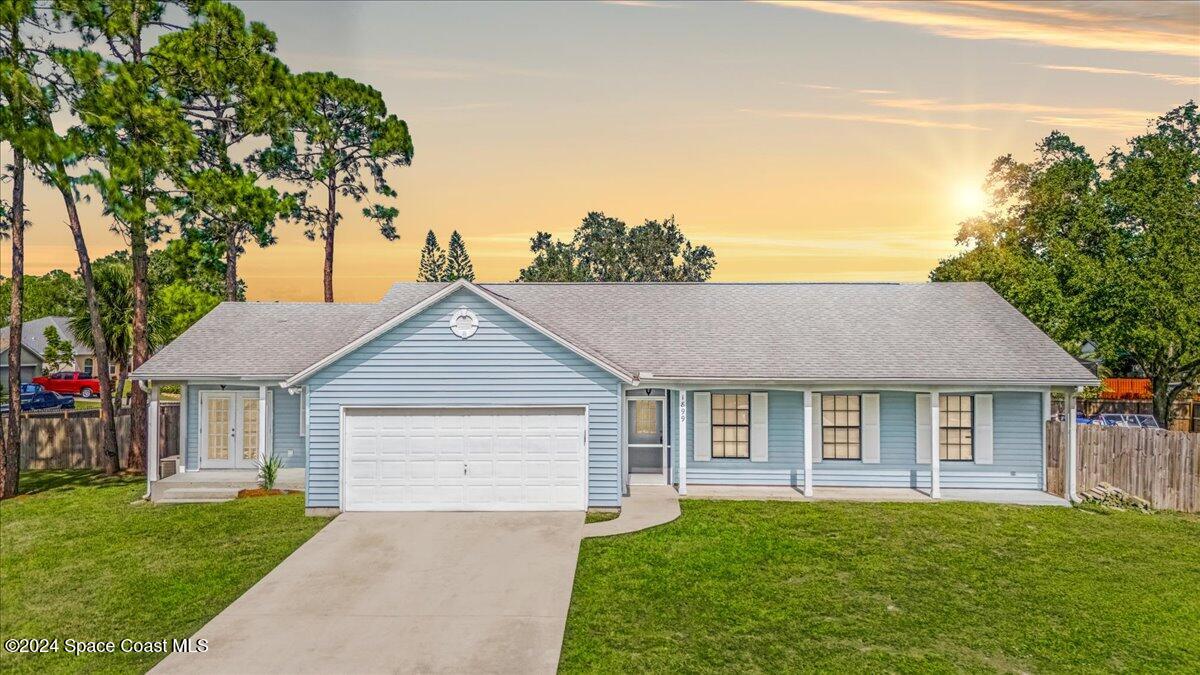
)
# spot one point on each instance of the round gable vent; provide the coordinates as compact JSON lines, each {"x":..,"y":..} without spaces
{"x":464,"y":323}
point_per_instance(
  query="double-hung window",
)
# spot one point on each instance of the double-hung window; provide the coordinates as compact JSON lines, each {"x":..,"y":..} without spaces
{"x":731,"y":426}
{"x":841,"y":426}
{"x":955,"y":435}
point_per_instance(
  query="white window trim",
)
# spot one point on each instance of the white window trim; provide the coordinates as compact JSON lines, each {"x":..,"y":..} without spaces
{"x":821,"y":427}
{"x":941,"y":410}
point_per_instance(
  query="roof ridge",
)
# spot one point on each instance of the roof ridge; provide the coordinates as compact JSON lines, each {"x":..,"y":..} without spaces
{"x":701,"y":283}
{"x":297,"y":303}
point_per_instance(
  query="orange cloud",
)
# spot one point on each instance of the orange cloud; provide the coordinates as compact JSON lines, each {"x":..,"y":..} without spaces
{"x":1131,"y":27}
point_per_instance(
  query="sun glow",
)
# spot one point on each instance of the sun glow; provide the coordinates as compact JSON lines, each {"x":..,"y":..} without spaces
{"x":970,"y":199}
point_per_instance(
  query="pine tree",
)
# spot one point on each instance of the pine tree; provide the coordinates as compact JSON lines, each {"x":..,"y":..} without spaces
{"x":433,"y":260}
{"x":458,"y":262}
{"x":344,"y":135}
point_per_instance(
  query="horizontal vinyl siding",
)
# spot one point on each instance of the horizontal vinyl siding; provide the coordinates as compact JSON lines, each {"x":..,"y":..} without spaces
{"x":1017,"y":439}
{"x":785,"y":446}
{"x":1017,"y":461}
{"x":421,"y":363}
{"x":897,"y":465}
{"x":285,"y":430}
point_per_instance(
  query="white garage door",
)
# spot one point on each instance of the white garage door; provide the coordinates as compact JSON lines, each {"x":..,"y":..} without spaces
{"x":465,"y":460}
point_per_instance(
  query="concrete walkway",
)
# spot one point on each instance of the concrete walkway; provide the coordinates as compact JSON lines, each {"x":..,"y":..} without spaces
{"x":646,"y":506}
{"x":403,"y":593}
{"x":846,"y":494}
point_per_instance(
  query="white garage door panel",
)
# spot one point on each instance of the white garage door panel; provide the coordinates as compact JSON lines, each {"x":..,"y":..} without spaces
{"x":465,"y":460}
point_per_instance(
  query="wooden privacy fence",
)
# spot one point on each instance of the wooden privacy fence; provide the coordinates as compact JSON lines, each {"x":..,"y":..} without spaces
{"x":71,"y":439}
{"x":1162,"y":467}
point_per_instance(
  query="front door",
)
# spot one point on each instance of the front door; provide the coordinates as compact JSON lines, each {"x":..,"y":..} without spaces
{"x":229,"y":430}
{"x":645,"y":424}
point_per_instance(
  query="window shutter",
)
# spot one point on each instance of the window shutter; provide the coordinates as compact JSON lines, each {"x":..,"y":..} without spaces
{"x":870,"y":428}
{"x":924,"y":430}
{"x":758,"y":426}
{"x":818,"y":437}
{"x":702,"y":426}
{"x":983,"y":428}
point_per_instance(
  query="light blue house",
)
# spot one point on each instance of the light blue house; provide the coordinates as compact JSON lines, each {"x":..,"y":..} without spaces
{"x":558,"y":396}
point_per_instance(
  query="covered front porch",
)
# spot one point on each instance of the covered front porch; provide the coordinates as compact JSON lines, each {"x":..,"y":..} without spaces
{"x":840,"y":441}
{"x":227,"y":429}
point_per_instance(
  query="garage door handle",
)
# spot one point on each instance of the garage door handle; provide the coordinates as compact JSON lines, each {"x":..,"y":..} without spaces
{"x":464,"y":468}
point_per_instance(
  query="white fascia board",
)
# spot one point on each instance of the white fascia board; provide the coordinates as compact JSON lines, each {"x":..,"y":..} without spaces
{"x":582,"y":353}
{"x":372,"y":334}
{"x":430,"y":301}
{"x":856,"y":385}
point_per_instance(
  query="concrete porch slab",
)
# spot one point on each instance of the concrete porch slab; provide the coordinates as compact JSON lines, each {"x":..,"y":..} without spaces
{"x":240,"y":477}
{"x":214,"y":485}
{"x":854,"y":494}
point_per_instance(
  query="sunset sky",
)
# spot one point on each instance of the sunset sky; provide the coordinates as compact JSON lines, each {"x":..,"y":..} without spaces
{"x":802,"y":141}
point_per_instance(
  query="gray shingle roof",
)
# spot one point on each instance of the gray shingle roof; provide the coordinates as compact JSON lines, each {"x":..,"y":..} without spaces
{"x":260,"y":339}
{"x":803,"y":332}
{"x":33,"y":334}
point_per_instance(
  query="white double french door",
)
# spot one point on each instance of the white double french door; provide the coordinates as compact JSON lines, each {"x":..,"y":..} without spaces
{"x":229,"y":437}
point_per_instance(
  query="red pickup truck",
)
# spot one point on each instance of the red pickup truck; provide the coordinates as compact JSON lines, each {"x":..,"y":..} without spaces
{"x":70,"y":383}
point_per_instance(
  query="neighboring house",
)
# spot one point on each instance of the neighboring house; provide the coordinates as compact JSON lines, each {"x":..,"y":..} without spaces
{"x":557,"y":396}
{"x":32,"y":363}
{"x":33,"y":335}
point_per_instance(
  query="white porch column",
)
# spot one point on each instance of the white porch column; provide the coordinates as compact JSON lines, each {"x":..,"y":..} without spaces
{"x":935,"y":446}
{"x":181,"y":465}
{"x":262,"y":423}
{"x":1072,"y":464}
{"x":683,"y":446}
{"x":152,"y":450}
{"x":622,"y":436}
{"x":808,"y":443}
{"x":1046,"y":401}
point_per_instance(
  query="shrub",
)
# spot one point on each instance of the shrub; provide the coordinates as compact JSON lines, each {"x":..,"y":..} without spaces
{"x":268,"y":471}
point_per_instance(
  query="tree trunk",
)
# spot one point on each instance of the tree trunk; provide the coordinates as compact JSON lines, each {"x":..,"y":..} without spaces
{"x":138,"y":401}
{"x":108,"y":419}
{"x":122,"y":377}
{"x":330,"y":226}
{"x":10,"y":458}
{"x":231,"y":270}
{"x":1160,"y":392}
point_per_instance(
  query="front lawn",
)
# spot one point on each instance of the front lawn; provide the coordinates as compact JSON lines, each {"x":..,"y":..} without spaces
{"x":79,"y":560}
{"x":837,"y":587}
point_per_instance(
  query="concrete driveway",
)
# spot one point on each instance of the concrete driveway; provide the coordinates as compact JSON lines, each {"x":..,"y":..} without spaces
{"x":404,"y":592}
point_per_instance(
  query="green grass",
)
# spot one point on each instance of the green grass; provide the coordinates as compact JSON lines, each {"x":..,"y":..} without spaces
{"x":79,"y":560}
{"x":839,"y":587}
{"x":600,"y":516}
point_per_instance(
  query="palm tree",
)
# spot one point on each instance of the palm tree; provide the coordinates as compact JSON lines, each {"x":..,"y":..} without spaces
{"x":114,"y":295}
